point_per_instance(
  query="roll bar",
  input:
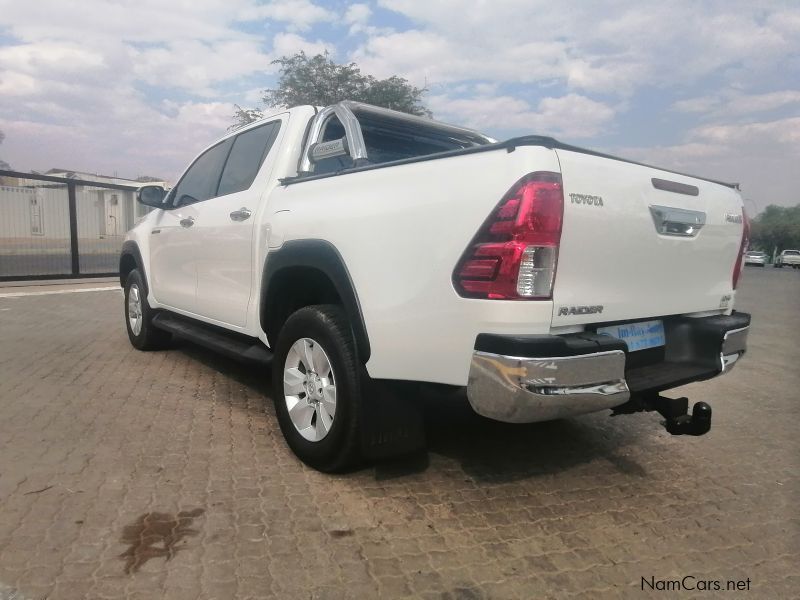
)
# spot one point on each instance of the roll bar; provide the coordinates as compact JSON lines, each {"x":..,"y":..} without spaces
{"x":356,"y":147}
{"x":353,"y":142}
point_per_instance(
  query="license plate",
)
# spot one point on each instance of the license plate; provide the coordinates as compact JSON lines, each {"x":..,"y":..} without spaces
{"x":638,"y":336}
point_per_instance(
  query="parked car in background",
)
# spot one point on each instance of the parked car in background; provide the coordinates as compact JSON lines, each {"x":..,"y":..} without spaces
{"x":790,"y":258}
{"x":754,"y":257}
{"x":366,"y":253}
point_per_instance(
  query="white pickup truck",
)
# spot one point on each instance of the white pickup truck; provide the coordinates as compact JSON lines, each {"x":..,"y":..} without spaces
{"x":788,"y":258}
{"x":359,"y":249}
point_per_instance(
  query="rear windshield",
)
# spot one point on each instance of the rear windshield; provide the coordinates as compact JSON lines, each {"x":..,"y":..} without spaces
{"x":389,"y":139}
{"x":792,"y":252}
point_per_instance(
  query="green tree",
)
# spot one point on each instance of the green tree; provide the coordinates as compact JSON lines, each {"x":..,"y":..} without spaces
{"x":320,"y":81}
{"x":776,"y":227}
{"x":3,"y":164}
{"x":243,"y":116}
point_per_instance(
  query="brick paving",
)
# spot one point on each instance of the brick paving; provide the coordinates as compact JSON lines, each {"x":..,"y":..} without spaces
{"x":144,"y":475}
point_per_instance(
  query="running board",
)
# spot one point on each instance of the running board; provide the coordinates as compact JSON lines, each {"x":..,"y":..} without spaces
{"x":233,"y":345}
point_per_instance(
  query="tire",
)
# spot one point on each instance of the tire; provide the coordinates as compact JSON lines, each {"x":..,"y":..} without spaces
{"x":141,"y":333}
{"x":323,"y":434}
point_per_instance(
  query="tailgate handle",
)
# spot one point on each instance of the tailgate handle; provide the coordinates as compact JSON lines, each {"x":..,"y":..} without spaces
{"x":674,"y":186}
{"x":677,"y":221}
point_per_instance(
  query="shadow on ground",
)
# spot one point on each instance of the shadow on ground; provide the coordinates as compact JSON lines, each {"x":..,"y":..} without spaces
{"x":486,"y":450}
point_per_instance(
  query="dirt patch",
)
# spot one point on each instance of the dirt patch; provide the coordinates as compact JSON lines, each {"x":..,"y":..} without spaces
{"x":156,"y":535}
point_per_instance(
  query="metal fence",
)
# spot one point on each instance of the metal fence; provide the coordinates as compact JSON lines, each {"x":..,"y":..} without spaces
{"x":56,"y":227}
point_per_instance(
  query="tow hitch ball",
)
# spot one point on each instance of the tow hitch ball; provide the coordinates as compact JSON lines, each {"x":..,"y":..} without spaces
{"x":675,"y":411}
{"x":678,"y":421}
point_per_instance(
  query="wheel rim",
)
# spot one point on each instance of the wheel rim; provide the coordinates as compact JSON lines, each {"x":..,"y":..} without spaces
{"x":135,"y":309}
{"x":309,"y":388}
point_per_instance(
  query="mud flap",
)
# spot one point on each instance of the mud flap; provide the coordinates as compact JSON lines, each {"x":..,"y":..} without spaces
{"x":391,"y":419}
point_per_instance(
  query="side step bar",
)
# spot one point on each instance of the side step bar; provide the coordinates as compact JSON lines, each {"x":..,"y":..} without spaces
{"x":233,"y":345}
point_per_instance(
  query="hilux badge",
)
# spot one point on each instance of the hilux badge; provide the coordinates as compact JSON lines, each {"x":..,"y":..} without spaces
{"x":732,"y":218}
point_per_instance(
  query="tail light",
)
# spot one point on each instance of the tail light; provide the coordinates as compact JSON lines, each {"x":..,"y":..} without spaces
{"x":514,"y":254}
{"x":737,"y":268}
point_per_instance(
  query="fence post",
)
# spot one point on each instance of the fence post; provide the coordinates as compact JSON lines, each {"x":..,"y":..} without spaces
{"x":73,"y":228}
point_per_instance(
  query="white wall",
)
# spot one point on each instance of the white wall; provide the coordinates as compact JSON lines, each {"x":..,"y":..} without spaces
{"x":100,"y":212}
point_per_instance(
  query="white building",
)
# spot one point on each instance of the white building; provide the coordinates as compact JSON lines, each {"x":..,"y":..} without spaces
{"x":37,"y":208}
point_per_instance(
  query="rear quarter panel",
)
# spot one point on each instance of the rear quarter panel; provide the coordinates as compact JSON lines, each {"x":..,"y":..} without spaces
{"x":401,"y":230}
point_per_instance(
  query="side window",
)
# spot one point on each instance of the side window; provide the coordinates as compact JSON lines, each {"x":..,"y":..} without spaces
{"x":200,"y":181}
{"x":248,"y":153}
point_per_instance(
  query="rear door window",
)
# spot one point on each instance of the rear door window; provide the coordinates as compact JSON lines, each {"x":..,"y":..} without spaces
{"x":200,"y":181}
{"x":246,"y":156}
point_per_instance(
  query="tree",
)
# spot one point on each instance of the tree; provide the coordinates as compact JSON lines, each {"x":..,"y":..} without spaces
{"x":243,"y":116}
{"x":3,"y":164}
{"x":320,"y":81}
{"x":776,"y":227}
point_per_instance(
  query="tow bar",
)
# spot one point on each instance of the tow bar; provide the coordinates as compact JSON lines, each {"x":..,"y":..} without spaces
{"x":675,"y":411}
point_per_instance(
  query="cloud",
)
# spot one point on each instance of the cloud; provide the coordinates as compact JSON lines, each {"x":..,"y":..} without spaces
{"x":136,"y":140}
{"x":570,"y":116}
{"x":605,"y":46}
{"x":357,"y":14}
{"x":135,"y":86}
{"x":735,"y":103}
{"x":761,"y":155}
{"x":298,"y":14}
{"x":429,"y":56}
{"x":198,"y":66}
{"x":140,"y":86}
{"x":286,"y":44}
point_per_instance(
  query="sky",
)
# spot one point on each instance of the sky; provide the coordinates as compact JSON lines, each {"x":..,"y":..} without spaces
{"x":139,"y":87}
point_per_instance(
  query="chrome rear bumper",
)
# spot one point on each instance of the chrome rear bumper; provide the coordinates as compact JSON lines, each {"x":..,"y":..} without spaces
{"x":525,"y":390}
{"x":589,"y":373}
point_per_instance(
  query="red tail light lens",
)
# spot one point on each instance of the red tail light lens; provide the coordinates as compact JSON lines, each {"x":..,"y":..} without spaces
{"x":514,"y":254}
{"x":737,"y":268}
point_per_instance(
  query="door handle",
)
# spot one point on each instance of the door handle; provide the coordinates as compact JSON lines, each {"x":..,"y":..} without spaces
{"x":677,"y":221}
{"x":240,"y":215}
{"x":187,"y":222}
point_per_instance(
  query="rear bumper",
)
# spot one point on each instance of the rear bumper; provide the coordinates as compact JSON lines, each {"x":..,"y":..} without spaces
{"x":523,"y":379}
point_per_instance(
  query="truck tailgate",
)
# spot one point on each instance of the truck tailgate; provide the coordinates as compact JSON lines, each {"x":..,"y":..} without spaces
{"x":639,"y":242}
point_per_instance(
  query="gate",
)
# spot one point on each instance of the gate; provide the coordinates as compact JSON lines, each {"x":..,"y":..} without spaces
{"x":57,"y":227}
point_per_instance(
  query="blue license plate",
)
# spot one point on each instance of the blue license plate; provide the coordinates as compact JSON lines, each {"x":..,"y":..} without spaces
{"x":638,"y":336}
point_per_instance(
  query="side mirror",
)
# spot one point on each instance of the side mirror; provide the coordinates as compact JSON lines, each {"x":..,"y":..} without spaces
{"x":151,"y":195}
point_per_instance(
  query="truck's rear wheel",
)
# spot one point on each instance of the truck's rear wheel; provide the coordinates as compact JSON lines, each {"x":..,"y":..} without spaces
{"x":316,"y":392}
{"x":138,"y":316}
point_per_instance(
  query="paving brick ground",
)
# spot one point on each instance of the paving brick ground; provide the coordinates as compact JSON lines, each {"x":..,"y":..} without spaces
{"x":146,"y":475}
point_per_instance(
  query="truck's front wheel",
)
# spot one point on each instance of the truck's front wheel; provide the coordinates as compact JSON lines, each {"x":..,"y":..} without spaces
{"x":316,"y":387}
{"x":138,"y":316}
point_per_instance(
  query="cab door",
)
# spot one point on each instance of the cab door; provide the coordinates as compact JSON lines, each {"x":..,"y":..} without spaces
{"x":224,"y":228}
{"x":173,"y":239}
